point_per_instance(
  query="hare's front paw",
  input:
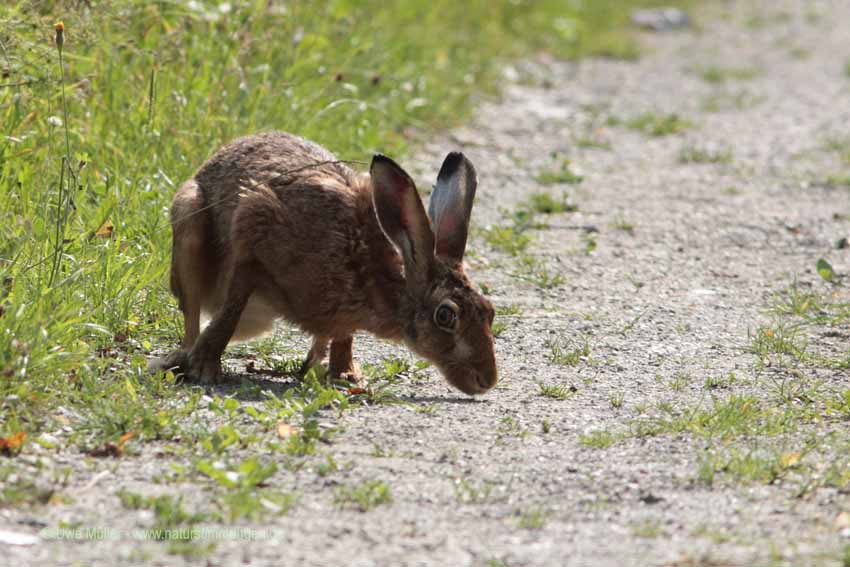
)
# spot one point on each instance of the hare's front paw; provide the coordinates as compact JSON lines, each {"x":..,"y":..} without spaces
{"x":205,"y":371}
{"x":177,"y":362}
{"x":203,"y":368}
{"x":350,"y":374}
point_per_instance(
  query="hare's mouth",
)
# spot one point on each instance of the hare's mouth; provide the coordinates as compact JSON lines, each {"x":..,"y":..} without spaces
{"x":469,"y":381}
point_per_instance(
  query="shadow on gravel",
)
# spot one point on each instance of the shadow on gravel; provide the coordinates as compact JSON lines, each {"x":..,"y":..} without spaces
{"x":441,"y":400}
{"x":249,"y":387}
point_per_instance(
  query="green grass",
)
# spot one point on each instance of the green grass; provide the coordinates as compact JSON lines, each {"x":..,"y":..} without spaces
{"x":599,"y":439}
{"x":533,"y":519}
{"x":715,"y":74}
{"x":657,"y":125}
{"x":94,"y":148}
{"x":561,"y":174}
{"x":721,"y":101}
{"x":704,"y":154}
{"x":545,"y":203}
{"x":365,"y":496}
{"x":556,"y":391}
{"x":568,"y":352}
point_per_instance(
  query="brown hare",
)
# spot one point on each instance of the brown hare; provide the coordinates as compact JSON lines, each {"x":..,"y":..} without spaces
{"x":275,"y":226}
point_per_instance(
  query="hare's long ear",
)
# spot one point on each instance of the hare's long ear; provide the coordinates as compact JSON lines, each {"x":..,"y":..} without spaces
{"x":402,"y":217}
{"x":451,"y":206}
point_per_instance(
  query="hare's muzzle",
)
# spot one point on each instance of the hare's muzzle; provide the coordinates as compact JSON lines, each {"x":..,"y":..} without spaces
{"x":472,"y":380}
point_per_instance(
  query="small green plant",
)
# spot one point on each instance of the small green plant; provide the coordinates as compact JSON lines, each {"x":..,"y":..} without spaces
{"x":467,"y":492}
{"x":616,"y":400}
{"x":533,"y":270}
{"x":679,"y":381}
{"x":648,"y":529}
{"x":722,"y":101}
{"x":533,"y":519}
{"x":498,"y":328}
{"x":364,"y":496}
{"x":620,"y":223}
{"x":715,"y":75}
{"x":556,"y":391}
{"x":839,"y":145}
{"x":704,"y":154}
{"x":590,"y":242}
{"x":507,"y":239}
{"x":720,"y":382}
{"x":546,"y":204}
{"x":593,"y":142}
{"x":511,"y":427}
{"x":777,"y":340}
{"x":545,"y":426}
{"x":562,"y":174}
{"x":838,"y":180}
{"x":598,"y":439}
{"x":508,"y":310}
{"x":565,"y":352}
{"x":329,"y":466}
{"x":657,"y":125}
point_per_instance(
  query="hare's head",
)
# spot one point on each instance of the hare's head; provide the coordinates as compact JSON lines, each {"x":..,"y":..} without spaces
{"x":449,"y":322}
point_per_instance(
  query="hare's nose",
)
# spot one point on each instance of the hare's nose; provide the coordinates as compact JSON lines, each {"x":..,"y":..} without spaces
{"x":485,"y":381}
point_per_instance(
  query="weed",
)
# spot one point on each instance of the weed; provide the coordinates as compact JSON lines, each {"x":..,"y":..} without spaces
{"x":704,"y":154}
{"x":498,"y":328}
{"x":779,"y":340}
{"x":556,"y":391}
{"x":535,"y":271}
{"x":620,"y":223}
{"x":365,"y":496}
{"x":562,"y":174}
{"x":533,"y":519}
{"x":598,"y":439}
{"x":839,"y":145}
{"x":507,"y":239}
{"x":565,"y":352}
{"x":658,"y":125}
{"x":590,"y":243}
{"x":593,"y":142}
{"x":510,"y":427}
{"x":546,"y":204}
{"x":838,"y":180}
{"x":616,"y":400}
{"x":720,"y":382}
{"x":714,"y":74}
{"x":467,"y":492}
{"x":648,"y":529}
{"x":328,"y":467}
{"x":721,"y":101}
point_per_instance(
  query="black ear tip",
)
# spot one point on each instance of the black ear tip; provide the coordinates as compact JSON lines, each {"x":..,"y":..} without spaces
{"x":381,"y":159}
{"x":386,"y":168}
{"x":451,"y":164}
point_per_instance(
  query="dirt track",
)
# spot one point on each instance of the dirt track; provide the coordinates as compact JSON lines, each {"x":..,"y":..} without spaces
{"x":688,"y":258}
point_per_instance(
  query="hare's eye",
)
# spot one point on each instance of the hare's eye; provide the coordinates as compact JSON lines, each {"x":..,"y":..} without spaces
{"x":445,"y":316}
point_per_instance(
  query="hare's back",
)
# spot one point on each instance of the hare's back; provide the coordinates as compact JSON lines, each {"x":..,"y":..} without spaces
{"x":261,"y":158}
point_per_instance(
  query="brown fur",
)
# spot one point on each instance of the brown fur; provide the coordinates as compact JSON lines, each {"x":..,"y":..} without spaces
{"x":274,"y":226}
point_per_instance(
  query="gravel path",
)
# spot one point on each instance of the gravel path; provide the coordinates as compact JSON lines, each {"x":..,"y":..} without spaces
{"x":688,"y":256}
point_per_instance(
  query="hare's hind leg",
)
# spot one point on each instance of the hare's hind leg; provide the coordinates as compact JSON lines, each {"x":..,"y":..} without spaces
{"x":191,"y":260}
{"x":193,"y":266}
